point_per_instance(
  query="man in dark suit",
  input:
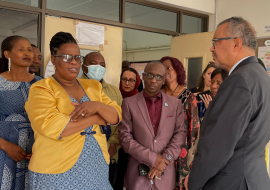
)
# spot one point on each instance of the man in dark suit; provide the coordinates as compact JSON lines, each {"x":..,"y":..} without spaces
{"x":235,"y":130}
{"x":152,"y":133}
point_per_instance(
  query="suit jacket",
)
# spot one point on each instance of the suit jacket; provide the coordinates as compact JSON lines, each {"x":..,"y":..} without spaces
{"x":137,"y":138}
{"x":234,"y":133}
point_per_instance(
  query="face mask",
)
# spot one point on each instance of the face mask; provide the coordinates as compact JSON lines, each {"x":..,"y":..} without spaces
{"x":95,"y":72}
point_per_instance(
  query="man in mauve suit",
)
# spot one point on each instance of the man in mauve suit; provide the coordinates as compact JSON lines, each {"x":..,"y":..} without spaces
{"x":152,"y":132}
{"x":236,"y":126}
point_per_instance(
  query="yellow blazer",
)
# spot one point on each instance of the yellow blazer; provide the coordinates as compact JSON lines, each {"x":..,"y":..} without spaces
{"x":48,"y":109}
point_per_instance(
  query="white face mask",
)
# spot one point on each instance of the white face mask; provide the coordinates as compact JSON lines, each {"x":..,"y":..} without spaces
{"x":95,"y":72}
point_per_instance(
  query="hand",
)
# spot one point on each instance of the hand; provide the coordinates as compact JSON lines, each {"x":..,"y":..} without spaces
{"x":85,"y":109}
{"x":28,"y":156}
{"x":186,"y":182}
{"x":154,"y":174}
{"x":206,"y":100}
{"x":161,"y":163}
{"x":112,"y":150}
{"x":13,"y":151}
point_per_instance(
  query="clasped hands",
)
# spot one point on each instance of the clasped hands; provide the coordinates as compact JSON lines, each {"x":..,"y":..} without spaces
{"x":87,"y":109}
{"x":159,"y":166}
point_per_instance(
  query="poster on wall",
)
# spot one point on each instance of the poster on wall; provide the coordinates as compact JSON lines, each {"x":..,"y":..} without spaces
{"x":264,"y":55}
{"x":90,"y":34}
{"x":49,"y":70}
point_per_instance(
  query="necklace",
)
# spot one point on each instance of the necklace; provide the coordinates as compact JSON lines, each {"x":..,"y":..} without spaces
{"x":173,"y":91}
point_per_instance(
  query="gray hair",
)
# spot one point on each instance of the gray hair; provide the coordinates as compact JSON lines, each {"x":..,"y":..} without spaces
{"x":239,"y":27}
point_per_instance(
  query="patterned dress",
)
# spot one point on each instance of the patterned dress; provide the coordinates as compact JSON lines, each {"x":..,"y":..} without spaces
{"x":91,"y":171}
{"x":15,"y":127}
{"x":192,"y":124}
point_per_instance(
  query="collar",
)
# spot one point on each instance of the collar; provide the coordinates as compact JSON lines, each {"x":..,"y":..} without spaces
{"x":146,"y":96}
{"x":235,"y":65}
{"x":103,"y":83}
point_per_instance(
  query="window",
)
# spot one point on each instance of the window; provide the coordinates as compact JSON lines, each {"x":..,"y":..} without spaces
{"x":150,"y":17}
{"x":192,"y":24}
{"x":33,"y":3}
{"x":194,"y":71}
{"x":105,"y":9}
{"x":18,"y":23}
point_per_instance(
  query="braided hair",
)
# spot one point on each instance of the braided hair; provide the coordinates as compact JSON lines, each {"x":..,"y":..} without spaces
{"x":59,"y":39}
{"x":7,"y":45}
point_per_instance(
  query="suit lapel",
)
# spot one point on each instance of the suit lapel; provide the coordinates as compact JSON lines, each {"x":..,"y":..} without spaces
{"x":144,"y":111}
{"x":164,"y":110}
{"x":251,"y":59}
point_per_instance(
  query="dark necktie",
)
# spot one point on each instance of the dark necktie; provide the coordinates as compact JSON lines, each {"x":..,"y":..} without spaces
{"x":152,"y":110}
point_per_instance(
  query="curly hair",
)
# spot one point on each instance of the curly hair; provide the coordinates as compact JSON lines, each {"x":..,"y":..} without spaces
{"x":7,"y":45}
{"x":59,"y":39}
{"x":179,"y":69}
{"x":211,"y":64}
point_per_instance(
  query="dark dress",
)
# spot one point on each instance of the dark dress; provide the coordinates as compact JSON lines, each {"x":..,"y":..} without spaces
{"x":192,"y":124}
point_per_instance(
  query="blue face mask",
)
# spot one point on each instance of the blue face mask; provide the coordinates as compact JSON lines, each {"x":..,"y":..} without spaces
{"x":95,"y":72}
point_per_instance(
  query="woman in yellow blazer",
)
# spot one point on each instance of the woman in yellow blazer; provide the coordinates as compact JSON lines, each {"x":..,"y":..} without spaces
{"x":70,"y":151}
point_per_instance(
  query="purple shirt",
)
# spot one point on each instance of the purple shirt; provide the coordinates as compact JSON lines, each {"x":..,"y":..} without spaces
{"x":155,"y":111}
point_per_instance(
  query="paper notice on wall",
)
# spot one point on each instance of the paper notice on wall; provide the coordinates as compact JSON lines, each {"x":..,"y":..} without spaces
{"x":90,"y":34}
{"x":264,"y":55}
{"x":267,"y":28}
{"x":49,"y":70}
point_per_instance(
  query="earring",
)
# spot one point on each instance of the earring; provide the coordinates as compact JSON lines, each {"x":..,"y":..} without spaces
{"x":9,"y":63}
{"x":54,"y":67}
{"x":28,"y":69}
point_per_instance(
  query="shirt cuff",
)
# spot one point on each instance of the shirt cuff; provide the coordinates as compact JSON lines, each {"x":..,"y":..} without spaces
{"x":59,"y":138}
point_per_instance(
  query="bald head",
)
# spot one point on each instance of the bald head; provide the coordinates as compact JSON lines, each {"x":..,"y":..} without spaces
{"x":154,"y":77}
{"x":94,"y":58}
{"x":154,"y":64}
{"x":91,"y":54}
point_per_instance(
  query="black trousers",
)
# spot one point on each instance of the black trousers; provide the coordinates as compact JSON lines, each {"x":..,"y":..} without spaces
{"x":121,"y":170}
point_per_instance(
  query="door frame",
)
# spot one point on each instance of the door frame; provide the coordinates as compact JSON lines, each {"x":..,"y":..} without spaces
{"x":185,"y":57}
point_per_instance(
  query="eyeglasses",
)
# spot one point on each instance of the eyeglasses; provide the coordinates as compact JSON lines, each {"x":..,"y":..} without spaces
{"x":216,"y":39}
{"x":69,"y":58}
{"x":151,"y":76}
{"x":130,"y":81}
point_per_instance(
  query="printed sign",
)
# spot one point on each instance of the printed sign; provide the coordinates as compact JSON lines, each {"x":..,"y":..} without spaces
{"x":267,"y":28}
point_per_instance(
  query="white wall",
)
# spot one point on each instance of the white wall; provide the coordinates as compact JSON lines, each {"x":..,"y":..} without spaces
{"x":255,"y":11}
{"x":202,"y":6}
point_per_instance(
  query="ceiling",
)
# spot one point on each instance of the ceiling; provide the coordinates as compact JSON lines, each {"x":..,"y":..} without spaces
{"x":18,"y":23}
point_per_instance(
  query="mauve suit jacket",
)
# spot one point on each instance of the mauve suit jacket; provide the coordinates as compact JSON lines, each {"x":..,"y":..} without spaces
{"x":137,"y":138}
